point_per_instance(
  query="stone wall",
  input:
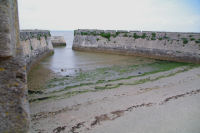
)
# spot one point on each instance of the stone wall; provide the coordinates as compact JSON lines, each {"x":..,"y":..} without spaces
{"x":36,"y":44}
{"x":175,"y":46}
{"x":58,"y":41}
{"x":14,"y":108}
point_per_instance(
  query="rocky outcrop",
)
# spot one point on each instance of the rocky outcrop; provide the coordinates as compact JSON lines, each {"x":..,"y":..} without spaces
{"x":14,"y":108}
{"x":174,"y":46}
{"x":58,"y":41}
{"x":36,"y":44}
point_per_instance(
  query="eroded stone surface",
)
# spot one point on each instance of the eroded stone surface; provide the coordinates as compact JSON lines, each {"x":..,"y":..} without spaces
{"x":58,"y":41}
{"x":36,"y":44}
{"x":14,"y":108}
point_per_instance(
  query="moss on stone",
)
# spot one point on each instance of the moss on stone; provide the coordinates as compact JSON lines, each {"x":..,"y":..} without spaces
{"x":105,"y":35}
{"x":136,"y":36}
{"x":185,"y":41}
{"x":143,"y":36}
{"x":2,"y":69}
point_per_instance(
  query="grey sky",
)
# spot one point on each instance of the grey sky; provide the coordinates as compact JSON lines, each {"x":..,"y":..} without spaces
{"x":160,"y":15}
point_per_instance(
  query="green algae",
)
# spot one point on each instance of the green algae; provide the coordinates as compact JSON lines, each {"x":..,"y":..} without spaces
{"x":98,"y":75}
{"x":111,"y":86}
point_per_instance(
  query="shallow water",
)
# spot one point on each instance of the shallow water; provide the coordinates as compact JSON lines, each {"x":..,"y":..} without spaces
{"x":65,"y":61}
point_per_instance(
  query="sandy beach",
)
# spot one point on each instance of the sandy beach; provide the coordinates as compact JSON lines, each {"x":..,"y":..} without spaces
{"x":167,"y":102}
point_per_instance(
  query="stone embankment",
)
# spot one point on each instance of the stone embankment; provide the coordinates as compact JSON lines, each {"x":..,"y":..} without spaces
{"x":58,"y":41}
{"x":36,"y":44}
{"x":173,"y":46}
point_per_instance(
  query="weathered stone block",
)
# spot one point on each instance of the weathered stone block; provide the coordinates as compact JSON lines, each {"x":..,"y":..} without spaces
{"x":14,"y":109}
{"x":58,"y":41}
{"x":5,"y":35}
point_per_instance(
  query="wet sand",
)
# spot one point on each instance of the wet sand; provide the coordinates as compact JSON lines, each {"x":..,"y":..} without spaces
{"x":38,"y":76}
{"x":166,"y":103}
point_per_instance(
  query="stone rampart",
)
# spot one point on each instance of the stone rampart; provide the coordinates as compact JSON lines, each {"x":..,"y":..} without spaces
{"x":173,"y":46}
{"x":36,"y":44}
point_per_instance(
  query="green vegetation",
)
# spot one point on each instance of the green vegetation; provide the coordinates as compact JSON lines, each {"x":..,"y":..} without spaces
{"x":93,"y":33}
{"x":108,"y":35}
{"x":31,"y":47}
{"x":125,"y":35}
{"x":141,"y":81}
{"x":197,"y":41}
{"x":143,"y":36}
{"x":153,"y":34}
{"x":45,"y":36}
{"x":84,"y":33}
{"x":105,"y":35}
{"x":102,"y":34}
{"x":136,"y":36}
{"x":98,"y":75}
{"x":117,"y":33}
{"x":185,"y":41}
{"x":32,"y":35}
{"x":153,"y":37}
{"x":163,"y":65}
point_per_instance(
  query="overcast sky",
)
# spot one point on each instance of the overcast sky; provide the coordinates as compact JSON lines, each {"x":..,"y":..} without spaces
{"x":157,"y":15}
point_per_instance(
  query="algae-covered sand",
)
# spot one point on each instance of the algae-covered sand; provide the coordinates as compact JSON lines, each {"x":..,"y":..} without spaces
{"x":155,"y":96}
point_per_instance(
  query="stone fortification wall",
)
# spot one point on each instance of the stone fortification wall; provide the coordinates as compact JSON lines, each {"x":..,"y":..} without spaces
{"x":14,"y":108}
{"x":175,"y":46}
{"x":58,"y":41}
{"x":36,"y":44}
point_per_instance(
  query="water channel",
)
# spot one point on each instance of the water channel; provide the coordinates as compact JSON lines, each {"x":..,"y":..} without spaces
{"x":66,"y":62}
